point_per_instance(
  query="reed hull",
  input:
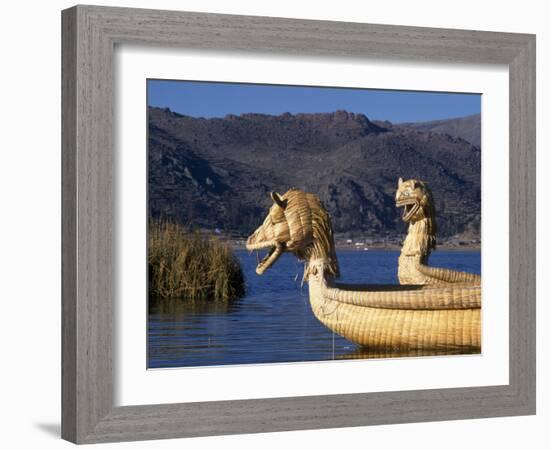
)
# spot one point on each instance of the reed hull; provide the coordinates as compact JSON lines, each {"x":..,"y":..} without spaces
{"x":398,"y":328}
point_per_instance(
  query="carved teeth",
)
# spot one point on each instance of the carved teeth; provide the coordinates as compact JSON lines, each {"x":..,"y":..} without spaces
{"x":409,"y":208}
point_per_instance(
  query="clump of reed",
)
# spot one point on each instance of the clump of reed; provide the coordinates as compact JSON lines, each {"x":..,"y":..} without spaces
{"x":190,"y":265}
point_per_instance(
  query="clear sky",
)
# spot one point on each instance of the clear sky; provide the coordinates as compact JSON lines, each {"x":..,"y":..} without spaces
{"x":202,"y":99}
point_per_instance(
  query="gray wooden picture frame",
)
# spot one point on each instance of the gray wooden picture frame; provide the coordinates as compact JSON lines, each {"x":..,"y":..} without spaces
{"x":90,"y":34}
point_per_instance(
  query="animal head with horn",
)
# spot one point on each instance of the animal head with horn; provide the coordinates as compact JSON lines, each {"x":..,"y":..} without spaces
{"x":416,"y":199}
{"x":297,"y":222}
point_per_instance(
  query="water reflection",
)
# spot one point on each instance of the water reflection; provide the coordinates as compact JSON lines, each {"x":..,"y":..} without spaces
{"x":274,"y":322}
{"x":374,"y":353}
{"x":175,"y":307}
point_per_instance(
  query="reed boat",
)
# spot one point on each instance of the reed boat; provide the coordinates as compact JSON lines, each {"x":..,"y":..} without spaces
{"x":443,"y":315}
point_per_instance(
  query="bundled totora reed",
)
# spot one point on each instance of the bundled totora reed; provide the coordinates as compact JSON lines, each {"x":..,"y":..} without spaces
{"x":424,"y":317}
{"x":191,"y":266}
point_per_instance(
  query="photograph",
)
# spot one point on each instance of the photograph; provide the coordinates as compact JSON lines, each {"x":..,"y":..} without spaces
{"x":291,"y":224}
{"x":275,"y":225}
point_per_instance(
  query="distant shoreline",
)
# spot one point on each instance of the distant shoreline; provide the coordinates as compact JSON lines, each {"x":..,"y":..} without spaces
{"x":343,"y":243}
{"x":398,"y":247}
{"x":447,"y":247}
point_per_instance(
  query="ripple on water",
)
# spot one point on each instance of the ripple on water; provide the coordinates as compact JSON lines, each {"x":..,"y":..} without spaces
{"x":273,"y":322}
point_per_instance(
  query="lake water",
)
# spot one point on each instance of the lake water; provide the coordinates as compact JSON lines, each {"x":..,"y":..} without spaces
{"x":273,"y":322}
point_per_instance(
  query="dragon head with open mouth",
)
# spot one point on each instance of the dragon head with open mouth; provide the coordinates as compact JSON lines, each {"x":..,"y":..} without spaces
{"x":298,"y":223}
{"x":416,"y":199}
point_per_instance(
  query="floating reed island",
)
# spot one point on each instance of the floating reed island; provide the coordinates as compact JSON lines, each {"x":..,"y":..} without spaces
{"x":191,"y":266}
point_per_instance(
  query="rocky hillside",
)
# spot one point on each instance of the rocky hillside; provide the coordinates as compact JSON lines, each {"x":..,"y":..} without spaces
{"x":467,"y":128}
{"x":217,"y":173}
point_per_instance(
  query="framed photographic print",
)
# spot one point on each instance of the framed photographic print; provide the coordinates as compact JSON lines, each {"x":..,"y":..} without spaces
{"x":285,"y":204}
{"x":211,"y":180}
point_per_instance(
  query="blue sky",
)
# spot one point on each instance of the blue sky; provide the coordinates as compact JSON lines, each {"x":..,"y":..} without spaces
{"x":201,"y":99}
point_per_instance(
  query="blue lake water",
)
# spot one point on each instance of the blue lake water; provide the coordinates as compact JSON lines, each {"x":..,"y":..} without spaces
{"x":273,"y":322}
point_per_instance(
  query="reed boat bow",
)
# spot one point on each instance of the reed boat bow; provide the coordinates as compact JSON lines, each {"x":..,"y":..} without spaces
{"x":423,"y":317}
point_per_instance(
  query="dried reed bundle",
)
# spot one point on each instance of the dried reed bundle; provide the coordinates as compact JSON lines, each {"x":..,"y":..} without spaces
{"x":191,"y":266}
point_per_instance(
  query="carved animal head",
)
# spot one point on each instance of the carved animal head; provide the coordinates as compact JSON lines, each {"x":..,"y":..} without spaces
{"x":297,"y":222}
{"x":416,"y":199}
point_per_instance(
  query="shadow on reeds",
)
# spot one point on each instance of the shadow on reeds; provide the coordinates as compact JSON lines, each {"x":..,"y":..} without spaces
{"x":191,"y":266}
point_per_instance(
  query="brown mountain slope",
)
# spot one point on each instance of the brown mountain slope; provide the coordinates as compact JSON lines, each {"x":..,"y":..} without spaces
{"x":467,"y":128}
{"x":217,"y":173}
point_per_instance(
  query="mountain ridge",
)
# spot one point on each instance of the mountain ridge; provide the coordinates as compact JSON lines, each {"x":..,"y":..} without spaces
{"x":218,"y":172}
{"x":466,"y":127}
